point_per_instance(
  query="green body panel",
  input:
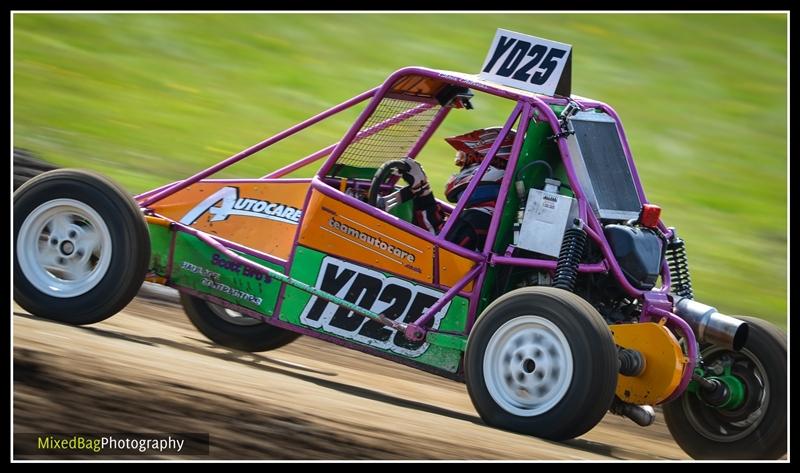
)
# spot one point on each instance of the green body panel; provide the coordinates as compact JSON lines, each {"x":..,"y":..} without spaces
{"x":447,"y":340}
{"x":404,"y":211}
{"x":443,"y":352}
{"x":352,"y":172}
{"x":160,"y":237}
{"x":536,"y":147}
{"x":198,"y":266}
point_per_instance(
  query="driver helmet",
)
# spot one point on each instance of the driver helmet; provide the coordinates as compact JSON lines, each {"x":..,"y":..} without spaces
{"x":471,"y":148}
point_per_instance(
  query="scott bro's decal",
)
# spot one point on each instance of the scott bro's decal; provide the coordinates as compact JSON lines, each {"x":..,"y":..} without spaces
{"x":395,"y":298}
{"x":231,"y":204}
{"x":239,"y":268}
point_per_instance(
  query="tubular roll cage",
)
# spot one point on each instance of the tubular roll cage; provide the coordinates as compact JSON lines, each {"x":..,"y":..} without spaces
{"x":656,"y":304}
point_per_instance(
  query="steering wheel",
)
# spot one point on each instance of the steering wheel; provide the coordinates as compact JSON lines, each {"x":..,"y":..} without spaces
{"x":395,"y":167}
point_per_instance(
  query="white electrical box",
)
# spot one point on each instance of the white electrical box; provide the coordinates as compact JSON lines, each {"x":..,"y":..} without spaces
{"x":544,"y":222}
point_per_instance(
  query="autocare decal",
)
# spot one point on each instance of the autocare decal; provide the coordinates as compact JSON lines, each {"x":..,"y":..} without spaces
{"x":395,"y":298}
{"x":232,"y":204}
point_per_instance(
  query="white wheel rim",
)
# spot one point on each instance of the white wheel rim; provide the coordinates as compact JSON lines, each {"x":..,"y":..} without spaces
{"x":232,"y":316}
{"x":64,"y":248}
{"x":527,"y":366}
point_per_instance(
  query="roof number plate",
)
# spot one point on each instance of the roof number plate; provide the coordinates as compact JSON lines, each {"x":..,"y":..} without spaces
{"x":529,"y":63}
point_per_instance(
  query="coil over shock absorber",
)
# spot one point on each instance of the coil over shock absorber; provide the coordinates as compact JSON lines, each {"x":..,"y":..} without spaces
{"x":678,"y":267}
{"x":569,"y":257}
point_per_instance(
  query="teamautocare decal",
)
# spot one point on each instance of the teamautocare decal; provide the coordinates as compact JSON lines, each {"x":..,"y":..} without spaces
{"x":211,"y":280}
{"x":395,"y":298}
{"x":232,"y":204}
{"x":371,"y":240}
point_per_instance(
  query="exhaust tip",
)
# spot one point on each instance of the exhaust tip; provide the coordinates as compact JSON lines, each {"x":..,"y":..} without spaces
{"x":740,"y":337}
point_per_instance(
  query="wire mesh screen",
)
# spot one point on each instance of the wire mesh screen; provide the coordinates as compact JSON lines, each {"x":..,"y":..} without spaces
{"x":390,"y":133}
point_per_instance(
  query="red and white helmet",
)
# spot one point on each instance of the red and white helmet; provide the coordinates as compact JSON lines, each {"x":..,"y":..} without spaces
{"x":472,"y":148}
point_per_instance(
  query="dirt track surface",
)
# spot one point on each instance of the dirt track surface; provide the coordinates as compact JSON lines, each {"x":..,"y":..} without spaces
{"x":148,"y":370}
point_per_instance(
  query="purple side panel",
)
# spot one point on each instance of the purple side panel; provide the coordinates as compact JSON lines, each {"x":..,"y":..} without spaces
{"x":255,"y":148}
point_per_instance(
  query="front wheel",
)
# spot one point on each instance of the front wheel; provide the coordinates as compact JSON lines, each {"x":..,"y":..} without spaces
{"x":541,"y":361}
{"x":81,"y":247}
{"x":232,"y":329}
{"x":754,"y":427}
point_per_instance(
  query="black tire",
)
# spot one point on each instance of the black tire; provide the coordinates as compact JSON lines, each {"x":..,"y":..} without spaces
{"x":27,"y":165}
{"x":129,"y":245}
{"x":252,"y":338}
{"x":690,"y":421}
{"x":591,"y":387}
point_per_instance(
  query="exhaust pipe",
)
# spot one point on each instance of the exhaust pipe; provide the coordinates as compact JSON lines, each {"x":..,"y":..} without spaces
{"x":711,"y":326}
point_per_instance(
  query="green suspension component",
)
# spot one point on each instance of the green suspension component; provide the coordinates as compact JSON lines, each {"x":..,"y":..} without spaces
{"x":735,"y":389}
{"x":736,"y":392}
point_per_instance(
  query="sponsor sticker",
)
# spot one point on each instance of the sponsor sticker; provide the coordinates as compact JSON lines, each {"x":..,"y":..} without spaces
{"x":211,"y":280}
{"x":371,"y":240}
{"x":231,"y":204}
{"x":395,"y":298}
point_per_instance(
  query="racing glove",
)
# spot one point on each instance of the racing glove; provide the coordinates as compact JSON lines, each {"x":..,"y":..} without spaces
{"x":417,"y":187}
{"x":416,"y":178}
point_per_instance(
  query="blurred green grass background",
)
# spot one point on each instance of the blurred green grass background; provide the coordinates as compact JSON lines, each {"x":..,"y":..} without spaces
{"x":151,"y":98}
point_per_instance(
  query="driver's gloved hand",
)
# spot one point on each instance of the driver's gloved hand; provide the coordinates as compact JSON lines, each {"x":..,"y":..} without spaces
{"x":417,"y":188}
{"x":416,"y":179}
{"x":397,"y":197}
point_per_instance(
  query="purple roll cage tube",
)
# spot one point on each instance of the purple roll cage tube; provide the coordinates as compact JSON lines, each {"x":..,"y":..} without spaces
{"x":655,"y":303}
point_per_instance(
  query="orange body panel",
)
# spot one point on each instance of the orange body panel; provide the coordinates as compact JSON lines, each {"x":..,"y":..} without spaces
{"x":452,"y":268}
{"x":262,"y":216}
{"x":336,"y":228}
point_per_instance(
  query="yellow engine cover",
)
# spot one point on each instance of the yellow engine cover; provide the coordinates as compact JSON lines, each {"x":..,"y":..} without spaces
{"x":664,"y":362}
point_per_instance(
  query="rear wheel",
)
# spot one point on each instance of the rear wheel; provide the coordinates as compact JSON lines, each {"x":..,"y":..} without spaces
{"x":81,"y":247}
{"x":541,"y":361}
{"x":755,"y":427}
{"x":232,"y":329}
